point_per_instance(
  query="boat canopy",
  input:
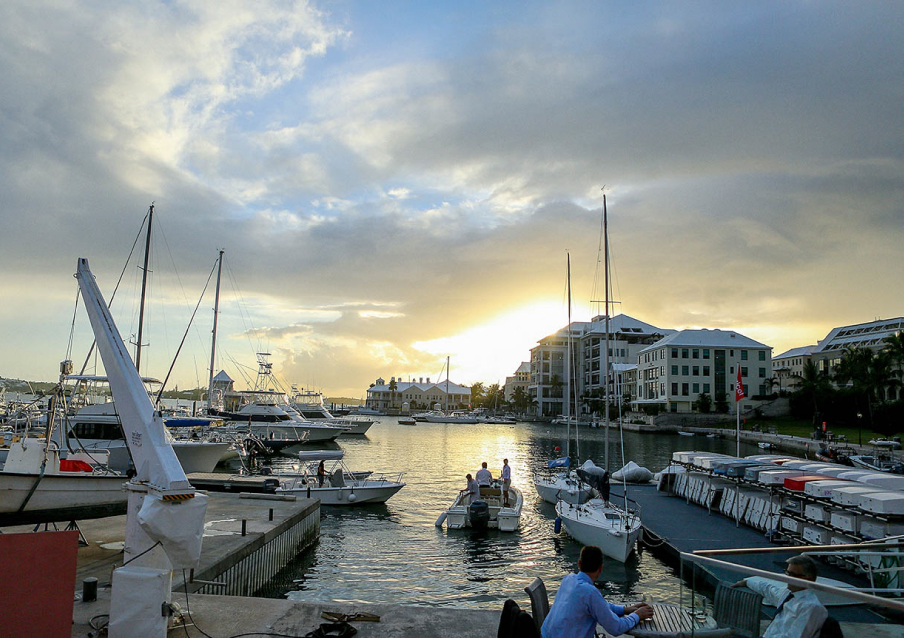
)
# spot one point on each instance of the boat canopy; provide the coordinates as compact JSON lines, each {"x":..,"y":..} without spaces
{"x":321,"y":455}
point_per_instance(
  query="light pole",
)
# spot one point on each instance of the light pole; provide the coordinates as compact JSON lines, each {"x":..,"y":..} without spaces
{"x":859,"y":428}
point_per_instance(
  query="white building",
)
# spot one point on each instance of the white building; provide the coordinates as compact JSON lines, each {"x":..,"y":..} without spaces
{"x":521,"y":379}
{"x":550,"y":378}
{"x":419,"y":395}
{"x":673,"y":372}
{"x":789,"y":366}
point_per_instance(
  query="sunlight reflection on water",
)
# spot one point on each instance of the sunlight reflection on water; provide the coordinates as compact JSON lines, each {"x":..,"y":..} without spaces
{"x":393,"y":553}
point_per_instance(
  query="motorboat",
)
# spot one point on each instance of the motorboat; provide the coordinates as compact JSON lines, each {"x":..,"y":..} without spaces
{"x":878,"y":462}
{"x":407,"y":421}
{"x":487,"y":511}
{"x":561,"y":483}
{"x":310,"y":405}
{"x":453,"y":417}
{"x":682,"y":433}
{"x":340,"y":485}
{"x":97,"y":427}
{"x":38,"y":486}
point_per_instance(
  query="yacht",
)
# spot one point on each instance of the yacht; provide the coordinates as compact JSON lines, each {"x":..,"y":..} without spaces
{"x":559,"y":483}
{"x":309,"y":404}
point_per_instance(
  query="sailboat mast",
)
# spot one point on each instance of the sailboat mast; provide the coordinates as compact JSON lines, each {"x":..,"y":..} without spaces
{"x":446,"y":410}
{"x":606,"y":353}
{"x":568,"y":361}
{"x":144,"y":287}
{"x":213,"y":340}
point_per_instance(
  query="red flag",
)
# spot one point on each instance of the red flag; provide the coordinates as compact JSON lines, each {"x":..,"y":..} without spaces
{"x":739,"y":387}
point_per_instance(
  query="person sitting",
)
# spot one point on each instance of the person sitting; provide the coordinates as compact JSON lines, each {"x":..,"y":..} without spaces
{"x":579,"y":606}
{"x":473,"y":490}
{"x":484,"y":477}
{"x":798,"y":611}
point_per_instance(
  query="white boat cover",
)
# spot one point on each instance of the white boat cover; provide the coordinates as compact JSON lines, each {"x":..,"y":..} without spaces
{"x":632,"y":473}
{"x":321,"y":455}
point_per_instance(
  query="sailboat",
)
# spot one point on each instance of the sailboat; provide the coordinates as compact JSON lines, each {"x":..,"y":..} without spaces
{"x":613,"y":529}
{"x":558,"y":482}
{"x":457,"y":416}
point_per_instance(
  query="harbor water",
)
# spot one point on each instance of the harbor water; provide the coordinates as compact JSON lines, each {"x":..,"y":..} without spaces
{"x":394,"y":553}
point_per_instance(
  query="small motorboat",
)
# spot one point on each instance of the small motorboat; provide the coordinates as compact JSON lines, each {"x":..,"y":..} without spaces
{"x":763,"y":445}
{"x":340,"y":485}
{"x":488,"y":511}
{"x":685,"y":433}
{"x":407,"y":421}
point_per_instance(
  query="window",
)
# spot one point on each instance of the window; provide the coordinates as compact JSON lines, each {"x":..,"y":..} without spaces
{"x":695,"y":353}
{"x":705,"y":371}
{"x":675,"y":353}
{"x":684,"y":370}
{"x":743,"y":355}
{"x":743,"y":371}
{"x":706,"y":353}
{"x":684,"y":389}
{"x":684,"y":353}
{"x":696,"y":371}
{"x":706,"y":388}
{"x":762,"y":373}
{"x":675,"y":370}
{"x":696,"y":388}
{"x":762,"y":355}
{"x":674,"y":388}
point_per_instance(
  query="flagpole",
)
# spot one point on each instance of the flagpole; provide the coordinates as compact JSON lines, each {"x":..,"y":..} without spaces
{"x":738,"y":429}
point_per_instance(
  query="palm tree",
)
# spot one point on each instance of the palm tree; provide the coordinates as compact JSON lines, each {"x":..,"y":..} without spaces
{"x":868,"y":373}
{"x":555,"y":384}
{"x":393,"y":386}
{"x":477,"y":393}
{"x":811,"y":382}
{"x":894,"y":345}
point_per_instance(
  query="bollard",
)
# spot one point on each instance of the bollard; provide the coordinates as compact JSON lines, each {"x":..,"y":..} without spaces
{"x":271,"y":513}
{"x":244,"y":522}
{"x":89,"y":590}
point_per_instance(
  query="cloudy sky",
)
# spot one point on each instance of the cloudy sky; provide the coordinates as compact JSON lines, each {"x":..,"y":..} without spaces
{"x":396,"y":182}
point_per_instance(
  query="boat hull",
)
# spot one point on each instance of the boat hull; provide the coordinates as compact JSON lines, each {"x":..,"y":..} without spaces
{"x":505,"y":519}
{"x":60,"y":497}
{"x":589,"y":525}
{"x":561,"y":488}
{"x":360,"y":493}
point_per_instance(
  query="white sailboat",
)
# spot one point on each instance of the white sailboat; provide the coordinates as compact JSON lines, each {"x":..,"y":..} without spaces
{"x":598,"y":522}
{"x":559,"y":482}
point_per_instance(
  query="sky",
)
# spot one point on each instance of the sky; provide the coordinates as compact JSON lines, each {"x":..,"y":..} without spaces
{"x":398,"y":182}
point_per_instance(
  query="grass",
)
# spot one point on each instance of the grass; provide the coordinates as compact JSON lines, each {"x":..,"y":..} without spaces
{"x":796,"y":427}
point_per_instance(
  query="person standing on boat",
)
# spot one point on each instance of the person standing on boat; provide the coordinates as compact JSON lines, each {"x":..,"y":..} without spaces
{"x":473,"y":489}
{"x":506,"y":477}
{"x":799,"y":612}
{"x":579,"y":606}
{"x":321,"y":473}
{"x":484,"y":477}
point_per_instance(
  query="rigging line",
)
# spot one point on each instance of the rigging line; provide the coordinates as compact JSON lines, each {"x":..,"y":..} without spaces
{"x":243,"y":310}
{"x":187,"y":329}
{"x":113,"y":296}
{"x":78,"y":292}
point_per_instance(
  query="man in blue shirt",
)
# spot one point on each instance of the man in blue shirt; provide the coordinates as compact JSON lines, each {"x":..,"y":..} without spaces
{"x":579,"y":606}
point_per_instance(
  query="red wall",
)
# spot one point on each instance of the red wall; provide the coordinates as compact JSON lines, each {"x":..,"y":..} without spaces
{"x":37,"y":583}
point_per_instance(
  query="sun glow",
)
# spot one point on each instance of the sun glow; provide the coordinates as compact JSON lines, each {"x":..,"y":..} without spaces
{"x":494,"y":350}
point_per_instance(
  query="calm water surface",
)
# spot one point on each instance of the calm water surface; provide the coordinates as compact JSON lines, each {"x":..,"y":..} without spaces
{"x":394,"y":553}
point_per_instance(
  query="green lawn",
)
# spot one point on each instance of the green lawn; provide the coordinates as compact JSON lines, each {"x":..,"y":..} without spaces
{"x":795,"y":427}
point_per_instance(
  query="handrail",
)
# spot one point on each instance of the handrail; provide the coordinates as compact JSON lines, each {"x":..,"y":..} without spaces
{"x":752,"y":571}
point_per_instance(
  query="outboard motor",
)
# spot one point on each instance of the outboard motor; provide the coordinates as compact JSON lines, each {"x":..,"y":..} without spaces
{"x":479,"y":513}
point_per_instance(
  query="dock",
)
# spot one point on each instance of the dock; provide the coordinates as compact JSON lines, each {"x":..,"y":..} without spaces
{"x":672,"y":526}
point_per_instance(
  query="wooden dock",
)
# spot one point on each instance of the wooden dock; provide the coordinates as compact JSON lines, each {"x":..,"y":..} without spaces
{"x":220,"y":482}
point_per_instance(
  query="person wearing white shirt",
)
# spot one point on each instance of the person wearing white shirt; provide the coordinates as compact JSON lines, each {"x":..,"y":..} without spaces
{"x":473,"y":490}
{"x":798,"y":611}
{"x":483,"y":476}
{"x":506,"y":477}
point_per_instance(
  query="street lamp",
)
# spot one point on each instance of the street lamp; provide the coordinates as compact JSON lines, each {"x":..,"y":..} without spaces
{"x":859,"y":428}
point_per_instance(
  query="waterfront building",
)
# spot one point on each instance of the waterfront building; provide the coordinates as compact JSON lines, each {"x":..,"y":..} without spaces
{"x":521,"y":379}
{"x":419,"y":395}
{"x":788,"y":367}
{"x":627,"y":337}
{"x":550,"y":378}
{"x":673,"y":372}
